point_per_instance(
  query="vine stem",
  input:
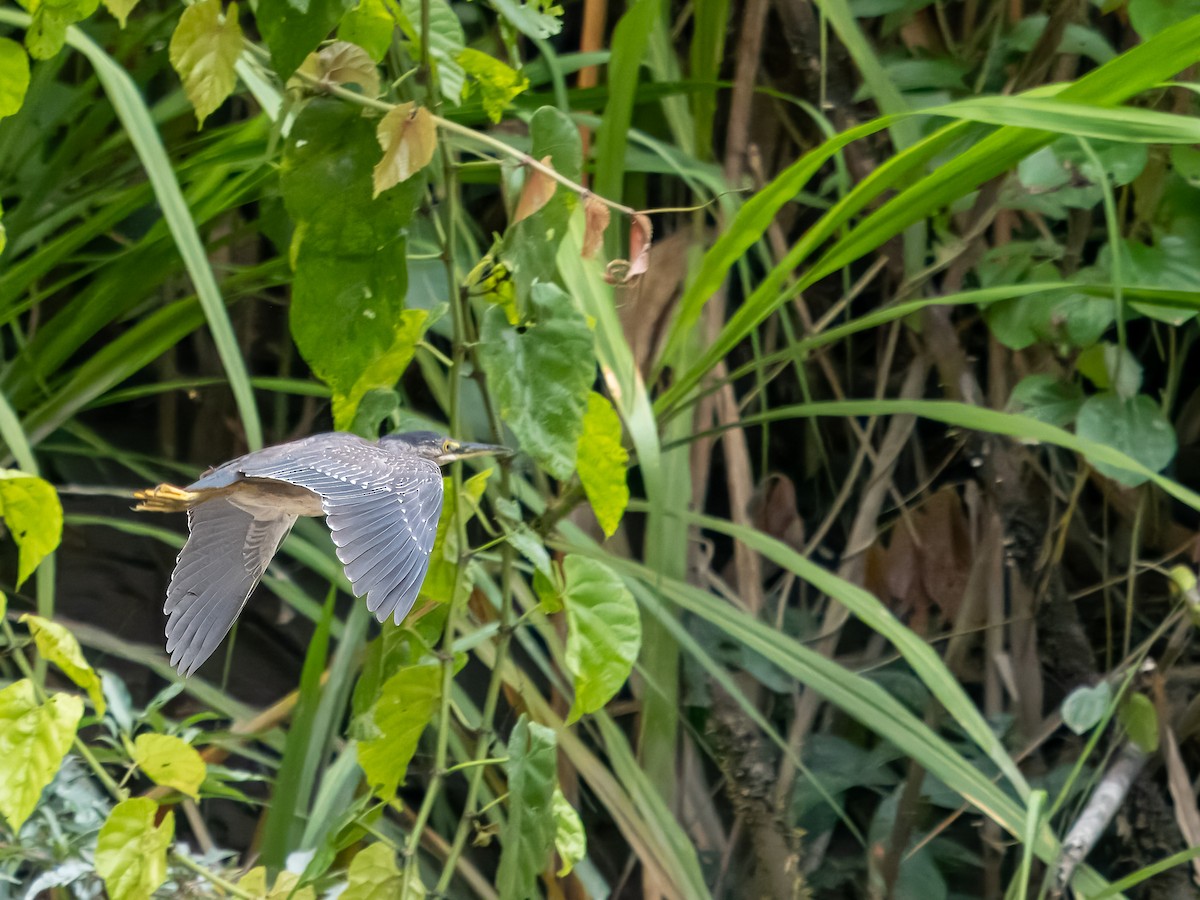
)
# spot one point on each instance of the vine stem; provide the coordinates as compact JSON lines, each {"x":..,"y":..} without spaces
{"x":216,"y":880}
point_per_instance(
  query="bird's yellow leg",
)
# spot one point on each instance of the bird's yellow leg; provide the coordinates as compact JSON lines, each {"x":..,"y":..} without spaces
{"x":165,"y":498}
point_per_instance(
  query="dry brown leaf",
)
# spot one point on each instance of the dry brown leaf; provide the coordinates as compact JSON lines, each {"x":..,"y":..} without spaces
{"x":539,"y":188}
{"x":596,"y":216}
{"x":340,"y":63}
{"x":641,"y":234}
{"x":408,"y":137}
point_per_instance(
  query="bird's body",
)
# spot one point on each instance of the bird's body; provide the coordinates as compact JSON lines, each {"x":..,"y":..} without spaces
{"x":381,"y":500}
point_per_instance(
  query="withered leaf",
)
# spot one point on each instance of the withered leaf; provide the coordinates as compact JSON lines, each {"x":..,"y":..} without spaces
{"x":408,"y":137}
{"x":539,"y":188}
{"x":340,"y":63}
{"x":641,"y":234}
{"x":596,"y":217}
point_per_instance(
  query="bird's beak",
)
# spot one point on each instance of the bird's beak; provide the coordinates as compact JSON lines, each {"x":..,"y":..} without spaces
{"x":468,"y":450}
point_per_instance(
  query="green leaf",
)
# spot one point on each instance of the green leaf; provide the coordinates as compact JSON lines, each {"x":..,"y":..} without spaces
{"x":446,"y":40}
{"x":394,"y":725}
{"x":131,"y":851}
{"x":1047,"y":399}
{"x":1138,"y":715}
{"x":171,"y":762}
{"x":292,"y":29}
{"x":286,"y":887}
{"x":446,"y":578}
{"x":374,"y":875}
{"x":14,"y":77}
{"x":33,"y":515}
{"x":1084,"y":707}
{"x":1149,"y":17}
{"x":204,"y":49}
{"x":498,"y":83}
{"x":34,"y":739}
{"x":1111,"y":367}
{"x":538,"y":19}
{"x":385,"y":370}
{"x":602,"y":462}
{"x":570,"y":840}
{"x":529,"y":831}
{"x":57,"y":645}
{"x":1134,"y":426}
{"x":541,"y":376}
{"x":48,"y":31}
{"x":120,"y":9}
{"x":604,"y":632}
{"x":370,"y":26}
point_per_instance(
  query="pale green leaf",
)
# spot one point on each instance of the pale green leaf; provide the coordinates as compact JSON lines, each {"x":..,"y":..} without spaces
{"x":171,"y":762}
{"x":33,"y":516}
{"x":204,"y":49}
{"x":120,"y":9}
{"x":446,"y":39}
{"x":48,"y":31}
{"x":529,"y":832}
{"x":541,"y":376}
{"x":570,"y":840}
{"x":383,"y":371}
{"x":1138,"y":715}
{"x":286,"y":886}
{"x":604,"y":632}
{"x":57,"y":645}
{"x":1085,"y":706}
{"x":34,"y":739}
{"x":498,"y":83}
{"x":405,"y":705}
{"x":374,"y":875}
{"x":602,"y":462}
{"x":14,"y":77}
{"x":369,"y":25}
{"x":1134,"y":426}
{"x":538,"y":19}
{"x":131,"y":851}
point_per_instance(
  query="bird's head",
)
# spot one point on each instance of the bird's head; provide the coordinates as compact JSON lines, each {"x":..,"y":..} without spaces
{"x":439,"y":448}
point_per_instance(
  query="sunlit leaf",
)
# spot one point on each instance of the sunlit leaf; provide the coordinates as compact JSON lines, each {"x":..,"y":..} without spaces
{"x":131,"y":851}
{"x":204,"y":48}
{"x":536,"y":192}
{"x":286,"y":886}
{"x":50,"y":18}
{"x":294,"y":28}
{"x":596,"y":217}
{"x":374,"y":875}
{"x":602,"y":463}
{"x":498,"y":82}
{"x":383,"y":371}
{"x":393,"y":726}
{"x":529,"y":832}
{"x":604,"y":632}
{"x":14,"y":77}
{"x":33,"y":516}
{"x":341,"y":62}
{"x":570,"y":840}
{"x":369,"y":25}
{"x":57,"y":645}
{"x":408,"y":137}
{"x":541,"y":376}
{"x":1134,"y":426}
{"x":34,"y":738}
{"x":171,"y":762}
{"x":120,"y":9}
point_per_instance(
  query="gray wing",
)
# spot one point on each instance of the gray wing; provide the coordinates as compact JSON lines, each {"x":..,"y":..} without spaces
{"x":382,"y":508}
{"x":224,"y":558}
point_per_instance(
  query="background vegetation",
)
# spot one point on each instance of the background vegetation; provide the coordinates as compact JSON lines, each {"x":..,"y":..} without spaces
{"x":848,"y":550}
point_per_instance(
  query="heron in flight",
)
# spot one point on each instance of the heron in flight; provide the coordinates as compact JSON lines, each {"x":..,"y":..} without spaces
{"x":381,"y":499}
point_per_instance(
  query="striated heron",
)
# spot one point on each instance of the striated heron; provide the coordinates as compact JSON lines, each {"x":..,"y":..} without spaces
{"x":381,"y":501}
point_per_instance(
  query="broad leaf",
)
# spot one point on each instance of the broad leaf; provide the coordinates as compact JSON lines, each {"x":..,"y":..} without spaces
{"x":498,"y":83}
{"x":529,"y":832}
{"x":374,"y":875}
{"x":537,"y":19}
{"x":446,"y":578}
{"x":204,"y":48}
{"x":369,"y":25}
{"x":393,"y":726}
{"x":541,"y":376}
{"x":339,"y":63}
{"x":446,"y":41}
{"x":385,"y":370}
{"x":1138,"y":715}
{"x":604,"y":632}
{"x":33,"y":516}
{"x":57,"y":645}
{"x":1084,"y":707}
{"x":1047,"y":399}
{"x":14,"y":76}
{"x":171,"y":762}
{"x":602,"y":462}
{"x":1136,"y":427}
{"x":47,"y":31}
{"x":294,"y":28}
{"x":286,"y":886}
{"x":570,"y":840}
{"x":131,"y":851}
{"x":34,"y":739}
{"x":408,"y":137}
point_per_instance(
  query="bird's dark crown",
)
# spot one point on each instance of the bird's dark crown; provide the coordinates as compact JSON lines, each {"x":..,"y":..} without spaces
{"x":439,"y":448}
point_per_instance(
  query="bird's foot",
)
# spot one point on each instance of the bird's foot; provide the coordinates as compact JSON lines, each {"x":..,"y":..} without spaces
{"x":165,"y":498}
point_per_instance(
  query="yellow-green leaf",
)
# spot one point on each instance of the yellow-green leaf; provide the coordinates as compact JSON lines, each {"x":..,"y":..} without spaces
{"x":131,"y":851}
{"x":171,"y":762}
{"x":385,"y":370}
{"x":14,"y":76}
{"x":604,"y":632}
{"x":339,"y":63}
{"x":570,"y":840}
{"x":34,"y":739}
{"x":369,"y":25}
{"x":120,"y":9}
{"x":374,"y":875}
{"x":204,"y":48}
{"x":408,"y":137}
{"x":57,"y":645}
{"x":497,"y":82}
{"x":602,"y":463}
{"x":33,"y":515}
{"x":48,"y":29}
{"x":393,"y":726}
{"x":286,"y":886}
{"x":1138,"y":715}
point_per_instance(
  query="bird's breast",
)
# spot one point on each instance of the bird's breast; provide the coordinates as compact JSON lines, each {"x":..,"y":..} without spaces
{"x":264,"y":498}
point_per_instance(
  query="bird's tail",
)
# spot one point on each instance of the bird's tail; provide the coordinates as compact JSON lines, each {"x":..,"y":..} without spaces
{"x":165,"y":498}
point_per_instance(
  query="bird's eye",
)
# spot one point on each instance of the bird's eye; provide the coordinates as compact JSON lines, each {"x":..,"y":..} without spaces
{"x":449,"y":446}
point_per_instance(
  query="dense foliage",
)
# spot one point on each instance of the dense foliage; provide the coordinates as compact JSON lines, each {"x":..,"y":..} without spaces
{"x":846,"y":348}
